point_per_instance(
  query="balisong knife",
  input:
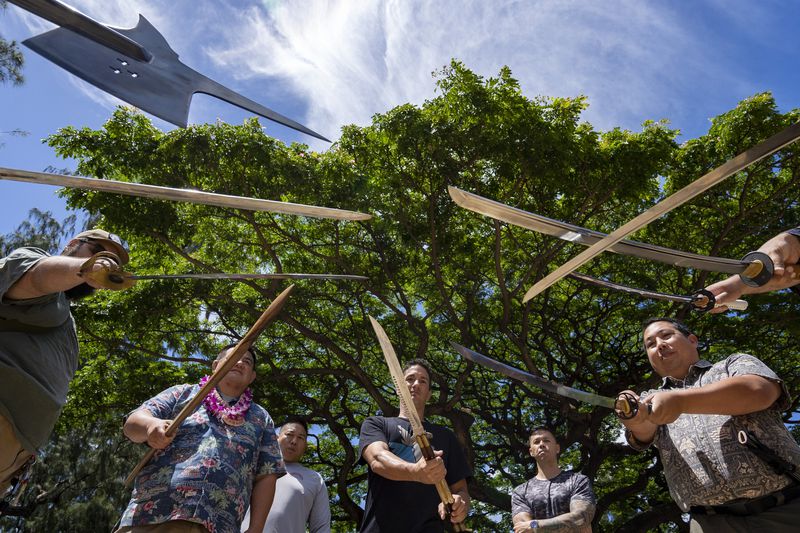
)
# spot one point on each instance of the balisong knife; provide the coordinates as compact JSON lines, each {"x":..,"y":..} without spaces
{"x":701,"y":300}
{"x":404,"y":395}
{"x":628,"y":407}
{"x":755,"y":268}
{"x":180,"y":195}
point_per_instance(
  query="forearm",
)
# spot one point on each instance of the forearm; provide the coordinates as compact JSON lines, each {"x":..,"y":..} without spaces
{"x":48,"y":276}
{"x":738,"y":395}
{"x":261,"y":502}
{"x":388,"y":465}
{"x":137,"y":424}
{"x":566,"y":523}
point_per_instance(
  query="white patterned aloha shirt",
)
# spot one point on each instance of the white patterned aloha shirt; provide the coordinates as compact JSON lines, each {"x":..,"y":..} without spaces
{"x":704,"y":462}
{"x":206,"y":474}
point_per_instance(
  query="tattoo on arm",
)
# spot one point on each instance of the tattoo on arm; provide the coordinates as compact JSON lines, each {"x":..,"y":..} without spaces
{"x":579,"y":518}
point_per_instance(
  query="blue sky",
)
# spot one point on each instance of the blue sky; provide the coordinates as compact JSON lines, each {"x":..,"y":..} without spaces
{"x":327,"y":64}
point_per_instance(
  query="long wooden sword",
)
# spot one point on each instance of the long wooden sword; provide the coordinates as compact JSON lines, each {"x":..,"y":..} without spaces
{"x":738,"y":163}
{"x":180,"y":195}
{"x":222,"y":370}
{"x":407,"y":403}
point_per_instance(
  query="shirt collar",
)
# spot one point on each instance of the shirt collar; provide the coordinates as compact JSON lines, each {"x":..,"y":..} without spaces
{"x":695,"y":371}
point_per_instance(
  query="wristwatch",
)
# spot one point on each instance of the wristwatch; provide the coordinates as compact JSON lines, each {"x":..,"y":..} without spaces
{"x":533,"y":525}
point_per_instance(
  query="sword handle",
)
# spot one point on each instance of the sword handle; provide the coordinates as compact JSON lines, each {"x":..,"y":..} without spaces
{"x":441,"y":487}
{"x":627,"y":407}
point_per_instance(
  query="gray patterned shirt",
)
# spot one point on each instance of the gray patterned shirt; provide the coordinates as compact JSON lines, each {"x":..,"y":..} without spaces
{"x":704,"y":463}
{"x":550,"y":498}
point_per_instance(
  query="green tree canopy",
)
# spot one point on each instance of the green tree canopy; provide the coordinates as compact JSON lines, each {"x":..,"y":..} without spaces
{"x":436,"y":273}
{"x":11,"y":58}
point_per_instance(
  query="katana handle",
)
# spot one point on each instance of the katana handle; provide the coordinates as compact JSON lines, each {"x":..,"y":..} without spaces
{"x":226,"y":364}
{"x":759,"y":270}
{"x":704,"y":300}
{"x":110,"y":276}
{"x":626,"y":407}
{"x":441,"y":487}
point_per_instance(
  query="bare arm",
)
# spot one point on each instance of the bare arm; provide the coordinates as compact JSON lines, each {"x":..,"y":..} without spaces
{"x":51,"y":275}
{"x":579,"y":518}
{"x":261,"y":502}
{"x":142,"y":426}
{"x":737,"y":395}
{"x":386,"y":464}
{"x":784,"y":250}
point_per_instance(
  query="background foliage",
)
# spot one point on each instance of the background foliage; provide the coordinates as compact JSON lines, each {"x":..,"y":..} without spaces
{"x":437,"y":273}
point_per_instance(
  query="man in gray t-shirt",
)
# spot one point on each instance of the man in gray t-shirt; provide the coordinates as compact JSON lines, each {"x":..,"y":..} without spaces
{"x":553,"y":499}
{"x":38,"y":342}
{"x":301,"y":497}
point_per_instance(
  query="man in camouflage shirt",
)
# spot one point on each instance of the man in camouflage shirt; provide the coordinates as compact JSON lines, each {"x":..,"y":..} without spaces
{"x":694,"y":419}
{"x":553,"y":500}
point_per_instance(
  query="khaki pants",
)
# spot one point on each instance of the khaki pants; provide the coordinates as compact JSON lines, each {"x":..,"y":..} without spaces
{"x":173,"y":526}
{"x":12,"y":455}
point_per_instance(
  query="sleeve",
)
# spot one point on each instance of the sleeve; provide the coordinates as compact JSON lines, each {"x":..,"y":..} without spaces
{"x":519,"y":504}
{"x":163,"y":405}
{"x":319,"y":520}
{"x":270,"y":459}
{"x":583,"y":490}
{"x":741,"y":364}
{"x":373,"y":429}
{"x":15,"y":265}
{"x":456,"y":461}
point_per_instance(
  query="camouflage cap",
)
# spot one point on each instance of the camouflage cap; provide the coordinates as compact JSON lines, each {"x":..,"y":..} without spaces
{"x":110,"y":242}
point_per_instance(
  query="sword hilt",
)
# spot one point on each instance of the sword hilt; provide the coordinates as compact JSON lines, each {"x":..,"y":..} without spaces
{"x":703,"y":300}
{"x":441,"y":487}
{"x":759,"y":270}
{"x":627,"y":407}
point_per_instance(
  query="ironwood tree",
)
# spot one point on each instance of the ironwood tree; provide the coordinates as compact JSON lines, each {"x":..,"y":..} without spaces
{"x":437,"y":273}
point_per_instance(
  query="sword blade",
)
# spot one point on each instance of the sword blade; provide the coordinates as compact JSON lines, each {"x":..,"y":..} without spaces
{"x":180,"y":195}
{"x":587,"y":237}
{"x":222,"y":275}
{"x":727,"y":169}
{"x":404,"y":395}
{"x":519,"y":375}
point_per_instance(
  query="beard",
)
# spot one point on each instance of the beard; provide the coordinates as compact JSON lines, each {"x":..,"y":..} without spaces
{"x":79,"y":292}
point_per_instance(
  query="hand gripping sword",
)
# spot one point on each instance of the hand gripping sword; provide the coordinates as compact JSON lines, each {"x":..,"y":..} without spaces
{"x":413,"y":417}
{"x":625,"y":409}
{"x":222,"y":370}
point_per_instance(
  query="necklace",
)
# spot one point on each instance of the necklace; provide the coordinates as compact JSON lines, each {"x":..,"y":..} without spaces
{"x":233,"y":415}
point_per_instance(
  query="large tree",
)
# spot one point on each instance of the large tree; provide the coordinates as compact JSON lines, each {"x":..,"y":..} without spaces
{"x":436,"y":273}
{"x":11,"y":58}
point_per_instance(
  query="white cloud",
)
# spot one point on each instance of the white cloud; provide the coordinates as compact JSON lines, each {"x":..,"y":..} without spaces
{"x":329,"y":63}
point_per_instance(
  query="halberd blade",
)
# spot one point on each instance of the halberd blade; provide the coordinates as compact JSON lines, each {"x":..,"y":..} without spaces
{"x":162,"y":86}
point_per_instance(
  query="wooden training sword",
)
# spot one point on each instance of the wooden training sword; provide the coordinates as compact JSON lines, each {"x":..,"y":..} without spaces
{"x":404,"y":395}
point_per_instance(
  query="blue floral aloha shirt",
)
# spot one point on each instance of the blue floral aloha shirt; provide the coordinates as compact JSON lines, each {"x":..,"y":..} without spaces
{"x":206,"y":474}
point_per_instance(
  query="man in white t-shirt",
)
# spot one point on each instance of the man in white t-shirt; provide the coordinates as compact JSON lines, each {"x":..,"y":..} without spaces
{"x":301,"y":497}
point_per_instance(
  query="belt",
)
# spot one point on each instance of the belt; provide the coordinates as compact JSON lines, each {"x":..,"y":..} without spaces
{"x":750,"y":507}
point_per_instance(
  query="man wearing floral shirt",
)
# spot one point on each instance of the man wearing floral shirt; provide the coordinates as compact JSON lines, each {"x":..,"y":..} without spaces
{"x":223,"y":458}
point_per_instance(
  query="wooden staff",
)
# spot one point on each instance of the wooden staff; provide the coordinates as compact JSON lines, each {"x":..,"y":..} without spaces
{"x":229,"y":362}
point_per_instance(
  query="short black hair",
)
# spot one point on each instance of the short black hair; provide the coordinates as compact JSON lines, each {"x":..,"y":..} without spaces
{"x":232,"y":345}
{"x":295,"y":420}
{"x":419,"y":362}
{"x":680,"y":326}
{"x":539,"y":429}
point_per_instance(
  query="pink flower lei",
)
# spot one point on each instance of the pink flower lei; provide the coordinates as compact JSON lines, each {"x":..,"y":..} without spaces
{"x":230,"y":414}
